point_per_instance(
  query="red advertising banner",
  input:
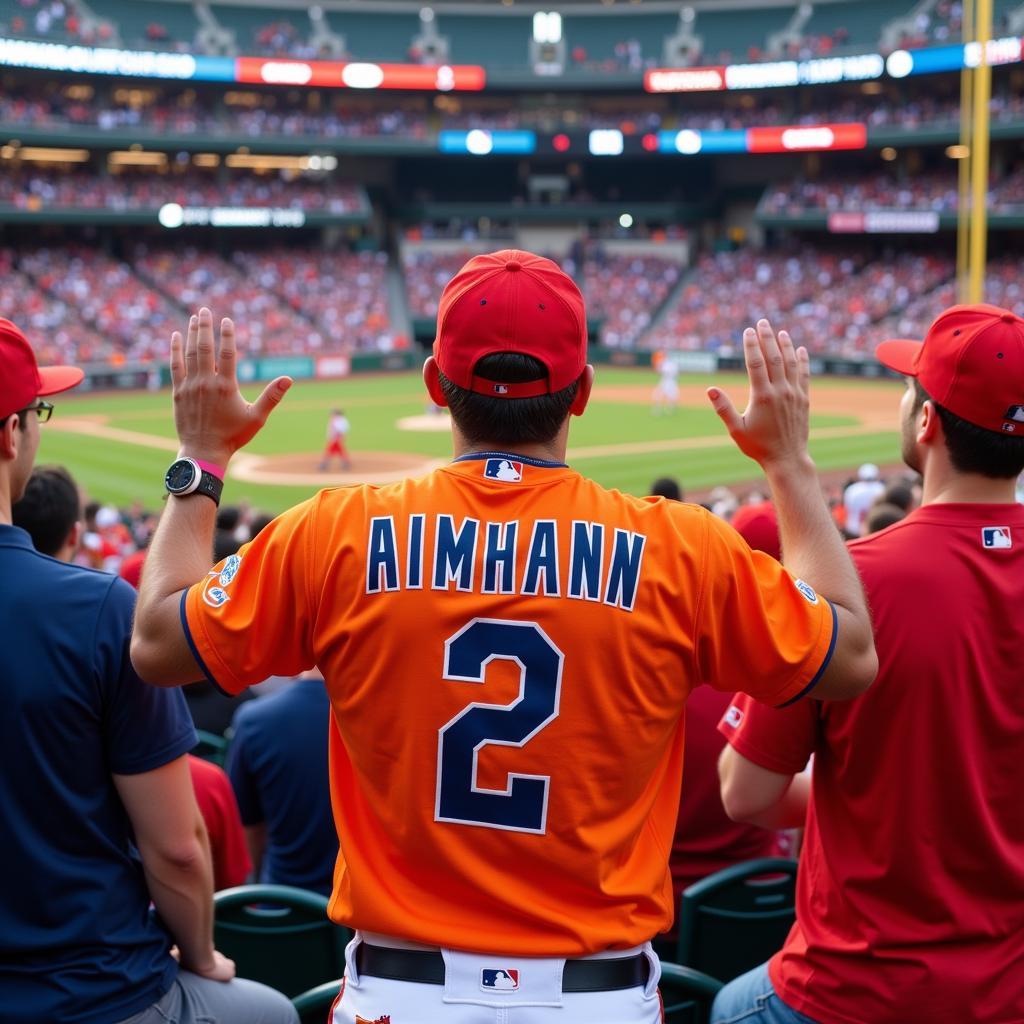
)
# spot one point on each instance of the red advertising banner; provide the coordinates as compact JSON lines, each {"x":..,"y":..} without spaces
{"x":356,"y":75}
{"x":806,"y":138}
{"x":685,"y":79}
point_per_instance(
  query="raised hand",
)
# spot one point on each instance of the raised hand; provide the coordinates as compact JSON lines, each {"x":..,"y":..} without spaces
{"x":773,"y":428}
{"x":211,"y":417}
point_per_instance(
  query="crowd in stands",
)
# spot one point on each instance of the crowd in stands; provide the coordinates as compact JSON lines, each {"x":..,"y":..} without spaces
{"x":339,"y":117}
{"x":36,"y":190}
{"x":934,"y":191}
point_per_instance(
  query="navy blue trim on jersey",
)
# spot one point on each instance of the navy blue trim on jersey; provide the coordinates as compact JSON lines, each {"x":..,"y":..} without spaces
{"x":195,"y":650}
{"x":824,"y":665}
{"x":512,"y":457}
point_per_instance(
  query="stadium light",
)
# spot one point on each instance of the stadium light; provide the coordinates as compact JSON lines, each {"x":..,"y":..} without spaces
{"x":626,"y":220}
{"x":136,"y":158}
{"x":958,"y":152}
{"x":547,"y":27}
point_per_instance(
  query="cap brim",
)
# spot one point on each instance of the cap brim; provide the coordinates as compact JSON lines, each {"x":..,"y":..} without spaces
{"x":899,"y":354}
{"x":59,"y":378}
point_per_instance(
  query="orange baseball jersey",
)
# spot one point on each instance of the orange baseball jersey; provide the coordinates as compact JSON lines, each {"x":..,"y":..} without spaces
{"x":508,"y":649}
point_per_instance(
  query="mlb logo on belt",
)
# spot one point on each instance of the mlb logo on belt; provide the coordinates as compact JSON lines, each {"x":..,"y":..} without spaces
{"x":499,"y":979}
{"x":996,"y":537}
{"x":504,"y":469}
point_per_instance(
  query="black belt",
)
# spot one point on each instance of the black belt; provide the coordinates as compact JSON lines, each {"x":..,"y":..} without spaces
{"x":427,"y":968}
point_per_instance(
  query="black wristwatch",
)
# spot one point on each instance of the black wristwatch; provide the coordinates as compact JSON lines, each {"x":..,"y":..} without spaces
{"x":187,"y":476}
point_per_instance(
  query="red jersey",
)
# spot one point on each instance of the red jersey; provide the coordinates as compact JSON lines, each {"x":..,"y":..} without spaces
{"x":910,"y":896}
{"x":217,"y":804}
{"x":706,"y":838}
{"x":508,"y":649}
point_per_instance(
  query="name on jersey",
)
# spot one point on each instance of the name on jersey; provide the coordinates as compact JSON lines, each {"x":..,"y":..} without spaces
{"x":598,"y":563}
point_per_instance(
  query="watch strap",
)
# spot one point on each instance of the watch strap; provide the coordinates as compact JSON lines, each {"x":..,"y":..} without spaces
{"x":211,"y":468}
{"x":210,"y":485}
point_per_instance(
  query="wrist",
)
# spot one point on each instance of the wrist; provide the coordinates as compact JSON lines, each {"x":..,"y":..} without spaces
{"x":211,"y":459}
{"x":792,"y":468}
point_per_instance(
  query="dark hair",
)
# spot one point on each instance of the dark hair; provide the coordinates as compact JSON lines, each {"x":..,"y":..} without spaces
{"x":224,"y":544}
{"x":228,"y":517}
{"x":508,"y":421}
{"x":899,"y":495}
{"x":49,"y":508}
{"x":881,"y":515}
{"x":667,"y":487}
{"x":974,"y":449}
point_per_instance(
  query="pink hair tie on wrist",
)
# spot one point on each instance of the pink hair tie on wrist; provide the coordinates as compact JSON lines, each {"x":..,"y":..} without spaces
{"x":209,"y":467}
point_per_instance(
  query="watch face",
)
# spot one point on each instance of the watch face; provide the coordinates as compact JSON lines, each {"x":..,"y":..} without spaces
{"x":180,"y":476}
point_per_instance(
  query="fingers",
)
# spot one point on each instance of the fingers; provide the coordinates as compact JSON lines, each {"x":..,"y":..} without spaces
{"x":177,"y":359}
{"x":226,"y":360}
{"x":269,"y":399}
{"x":727,"y":413}
{"x":205,"y":350}
{"x":753,"y":354}
{"x":803,"y":370}
{"x":772,"y":353}
{"x":789,"y":361}
{"x":191,"y":354}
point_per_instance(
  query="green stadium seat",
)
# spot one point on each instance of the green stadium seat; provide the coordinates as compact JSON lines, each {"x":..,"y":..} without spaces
{"x":132,"y":20}
{"x":280,"y":936}
{"x":211,"y":747}
{"x":738,"y":917}
{"x":724,"y":31}
{"x":863,"y":21}
{"x":312,"y":1006}
{"x":375,"y":37}
{"x":687,"y":994}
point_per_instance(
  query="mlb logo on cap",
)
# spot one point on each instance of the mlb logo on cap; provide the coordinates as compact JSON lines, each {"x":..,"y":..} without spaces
{"x":499,"y":979}
{"x":504,"y":469}
{"x":996,"y":537}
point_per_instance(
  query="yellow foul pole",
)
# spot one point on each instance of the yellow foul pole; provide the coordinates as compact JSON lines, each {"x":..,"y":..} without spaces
{"x":979,"y":156}
{"x":964,"y":164}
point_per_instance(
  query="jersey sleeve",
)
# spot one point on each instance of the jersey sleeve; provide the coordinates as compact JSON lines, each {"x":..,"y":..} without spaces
{"x":759,"y":630}
{"x":777,"y":739}
{"x":144,"y":727}
{"x":252,"y":616}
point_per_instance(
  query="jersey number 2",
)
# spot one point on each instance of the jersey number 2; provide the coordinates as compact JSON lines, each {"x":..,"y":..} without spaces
{"x":523,"y":805}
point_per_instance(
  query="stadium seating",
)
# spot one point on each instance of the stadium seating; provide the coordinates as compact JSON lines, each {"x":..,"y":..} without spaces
{"x":738,"y":917}
{"x":312,"y":1006}
{"x":211,"y":747}
{"x":279,"y":935}
{"x":687,"y":994}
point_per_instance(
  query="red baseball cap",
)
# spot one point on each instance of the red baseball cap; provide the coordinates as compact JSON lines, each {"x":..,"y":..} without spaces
{"x":511,"y":301}
{"x":21,"y":380}
{"x":759,"y":527}
{"x":971,"y":362}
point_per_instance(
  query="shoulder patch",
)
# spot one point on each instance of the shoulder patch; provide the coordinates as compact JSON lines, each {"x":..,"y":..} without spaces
{"x":807,"y":590}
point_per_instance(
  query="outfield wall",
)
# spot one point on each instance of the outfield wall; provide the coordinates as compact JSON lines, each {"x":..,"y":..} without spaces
{"x":138,"y":377}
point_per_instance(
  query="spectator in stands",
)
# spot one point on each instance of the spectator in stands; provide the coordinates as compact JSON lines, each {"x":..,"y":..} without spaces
{"x":219,"y":808}
{"x":909,"y":892}
{"x":277,"y":763}
{"x":882,"y":515}
{"x":706,"y":839}
{"x":50,"y":511}
{"x":94,"y":783}
{"x":860,"y":496}
{"x":667,"y":487}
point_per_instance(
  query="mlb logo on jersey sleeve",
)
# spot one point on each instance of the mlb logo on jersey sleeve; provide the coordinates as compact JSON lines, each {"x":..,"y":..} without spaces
{"x":499,"y":979}
{"x":996,"y":537}
{"x":504,"y":469}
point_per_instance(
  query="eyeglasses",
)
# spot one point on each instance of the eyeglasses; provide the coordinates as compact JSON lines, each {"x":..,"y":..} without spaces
{"x":44,"y":410}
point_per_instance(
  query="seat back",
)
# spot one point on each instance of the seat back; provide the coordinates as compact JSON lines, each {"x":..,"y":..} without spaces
{"x":211,"y":747}
{"x":279,"y":935}
{"x":686,"y":994}
{"x":312,"y":1006}
{"x":737,"y":918}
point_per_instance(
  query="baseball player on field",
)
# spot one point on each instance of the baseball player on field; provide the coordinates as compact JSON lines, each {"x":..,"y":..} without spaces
{"x":508,"y":648}
{"x":337,"y":432}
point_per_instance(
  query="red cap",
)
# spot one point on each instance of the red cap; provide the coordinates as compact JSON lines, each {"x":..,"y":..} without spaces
{"x":511,"y":301}
{"x":759,"y":527}
{"x":21,"y":380}
{"x":971,"y":362}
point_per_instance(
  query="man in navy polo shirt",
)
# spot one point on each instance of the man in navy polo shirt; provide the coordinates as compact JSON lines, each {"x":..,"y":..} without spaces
{"x":100,"y":818}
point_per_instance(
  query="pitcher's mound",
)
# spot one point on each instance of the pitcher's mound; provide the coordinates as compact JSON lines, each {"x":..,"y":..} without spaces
{"x":303,"y":469}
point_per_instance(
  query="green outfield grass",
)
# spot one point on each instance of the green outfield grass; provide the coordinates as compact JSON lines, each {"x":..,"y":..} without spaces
{"x":122,"y":472}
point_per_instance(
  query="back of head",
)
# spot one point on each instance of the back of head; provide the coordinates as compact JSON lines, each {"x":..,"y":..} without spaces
{"x":667,"y":487}
{"x":510,"y":348}
{"x":758,"y":525}
{"x":971,"y":367}
{"x":49,"y":508}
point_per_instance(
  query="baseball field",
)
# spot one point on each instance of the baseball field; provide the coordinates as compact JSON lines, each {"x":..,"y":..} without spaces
{"x":118,"y":445}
